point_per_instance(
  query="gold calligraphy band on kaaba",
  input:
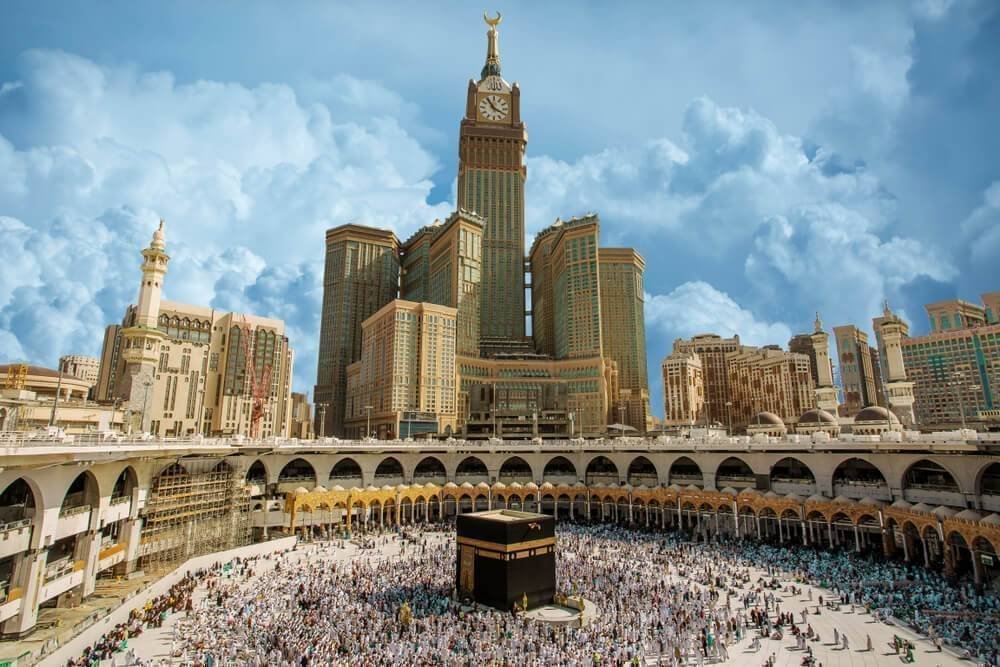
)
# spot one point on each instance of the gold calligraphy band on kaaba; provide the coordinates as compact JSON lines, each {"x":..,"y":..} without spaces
{"x":507,"y":548}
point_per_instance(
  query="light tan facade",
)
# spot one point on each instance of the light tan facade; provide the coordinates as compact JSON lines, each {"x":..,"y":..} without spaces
{"x":683,"y":389}
{"x":301,"y":417}
{"x":80,"y":366}
{"x":407,"y":366}
{"x":491,"y":175}
{"x":360,"y":277}
{"x":768,"y":380}
{"x":712,"y":349}
{"x":456,"y":275}
{"x":188,"y":371}
{"x":857,"y":374}
{"x":577,"y":393}
{"x":955,"y":314}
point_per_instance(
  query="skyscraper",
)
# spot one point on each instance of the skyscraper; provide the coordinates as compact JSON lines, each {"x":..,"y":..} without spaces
{"x":456,"y":275}
{"x":712,"y":350}
{"x":361,"y":275}
{"x":491,"y":176}
{"x":683,"y":389}
{"x":623,"y":331}
{"x":856,"y":370}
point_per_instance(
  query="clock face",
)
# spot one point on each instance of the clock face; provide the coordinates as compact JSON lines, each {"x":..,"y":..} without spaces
{"x":493,"y":107}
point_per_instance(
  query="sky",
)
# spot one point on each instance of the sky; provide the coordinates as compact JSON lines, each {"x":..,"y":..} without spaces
{"x":768,"y":159}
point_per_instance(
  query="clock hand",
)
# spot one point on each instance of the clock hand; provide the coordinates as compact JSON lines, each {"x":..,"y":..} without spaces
{"x":490,"y":102}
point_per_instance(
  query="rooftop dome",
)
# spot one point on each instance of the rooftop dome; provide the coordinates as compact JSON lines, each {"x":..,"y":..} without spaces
{"x":499,"y":485}
{"x":943,"y":512}
{"x":548,"y":485}
{"x":337,"y":487}
{"x":451,"y":485}
{"x":691,"y":487}
{"x":674,"y":487}
{"x":482,"y":485}
{"x":767,"y":418}
{"x":872,"y":501}
{"x":467,"y":485}
{"x":969,"y":515}
{"x":817,"y":416}
{"x":319,"y":489}
{"x":531,"y":485}
{"x":921,"y":507}
{"x":991,"y":520}
{"x":748,"y":492}
{"x":515,"y":485}
{"x":794,"y":497}
{"x":301,"y":490}
{"x":730,"y":490}
{"x":371,"y":487}
{"x":842,"y":500}
{"x":771,"y":494}
{"x":902,"y":504}
{"x":386,"y":487}
{"x":816,"y":498}
{"x":876,"y":413}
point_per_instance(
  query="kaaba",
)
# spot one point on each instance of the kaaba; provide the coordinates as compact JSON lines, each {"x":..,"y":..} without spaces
{"x":505,"y":555}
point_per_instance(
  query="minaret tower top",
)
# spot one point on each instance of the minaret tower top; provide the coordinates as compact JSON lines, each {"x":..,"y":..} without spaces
{"x":154,"y":267}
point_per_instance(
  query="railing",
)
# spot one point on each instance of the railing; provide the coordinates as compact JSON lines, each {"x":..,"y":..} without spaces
{"x":15,"y":525}
{"x":118,"y":500}
{"x":59,"y":569}
{"x":73,"y":511}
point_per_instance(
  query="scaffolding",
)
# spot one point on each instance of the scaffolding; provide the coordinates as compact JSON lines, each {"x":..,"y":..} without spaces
{"x":196,"y":506}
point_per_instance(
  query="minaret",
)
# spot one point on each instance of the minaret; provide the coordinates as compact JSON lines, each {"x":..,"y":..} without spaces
{"x":141,"y":339}
{"x":891,"y":331}
{"x":826,"y":393}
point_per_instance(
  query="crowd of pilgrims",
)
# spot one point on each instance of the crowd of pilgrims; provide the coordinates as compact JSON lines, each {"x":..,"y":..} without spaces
{"x":661,"y":600}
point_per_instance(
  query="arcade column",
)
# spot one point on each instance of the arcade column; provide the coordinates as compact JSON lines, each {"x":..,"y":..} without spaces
{"x":29,"y":574}
{"x":89,"y":550}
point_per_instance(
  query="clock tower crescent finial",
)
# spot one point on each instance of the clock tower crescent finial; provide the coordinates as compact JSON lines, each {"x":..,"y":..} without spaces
{"x":492,"y":66}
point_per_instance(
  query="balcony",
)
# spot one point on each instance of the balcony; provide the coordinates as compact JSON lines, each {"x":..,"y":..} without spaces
{"x":933,"y":495}
{"x":800,"y":487}
{"x":15,"y":537}
{"x":60,"y":577}
{"x":856,"y":490}
{"x":73,"y":520}
{"x":118,"y":509}
{"x":111,"y":555}
{"x":10,"y":601}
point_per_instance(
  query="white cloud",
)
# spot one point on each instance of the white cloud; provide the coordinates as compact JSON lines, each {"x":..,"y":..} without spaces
{"x":247,"y":178}
{"x":697,"y":307}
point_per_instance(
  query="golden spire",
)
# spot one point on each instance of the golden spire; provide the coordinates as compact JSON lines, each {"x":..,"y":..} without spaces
{"x":492,"y":66}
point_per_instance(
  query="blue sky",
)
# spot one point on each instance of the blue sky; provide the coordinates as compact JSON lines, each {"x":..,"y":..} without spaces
{"x":768,"y":159}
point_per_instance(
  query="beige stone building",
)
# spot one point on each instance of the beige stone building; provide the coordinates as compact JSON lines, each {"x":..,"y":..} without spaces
{"x":180,"y":369}
{"x":767,"y":380}
{"x":404,"y":385}
{"x":712,"y":350}
{"x":683,"y":389}
{"x":301,"y":418}
{"x":80,"y":366}
{"x":456,"y":275}
{"x":623,"y":330}
{"x":360,"y":277}
{"x":857,"y":372}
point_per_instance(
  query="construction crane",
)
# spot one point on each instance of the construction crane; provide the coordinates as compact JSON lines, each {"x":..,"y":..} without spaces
{"x":259,"y":388}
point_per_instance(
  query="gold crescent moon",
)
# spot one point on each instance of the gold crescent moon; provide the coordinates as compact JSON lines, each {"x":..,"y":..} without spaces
{"x":492,"y":22}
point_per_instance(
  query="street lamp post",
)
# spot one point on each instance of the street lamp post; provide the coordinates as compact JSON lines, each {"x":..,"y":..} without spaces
{"x":729,"y":417}
{"x":55,"y":401}
{"x":368,"y":422}
{"x":147,"y":383}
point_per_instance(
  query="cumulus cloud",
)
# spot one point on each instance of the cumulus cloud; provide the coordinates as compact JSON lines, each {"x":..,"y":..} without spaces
{"x":697,"y":307}
{"x":247,"y":178}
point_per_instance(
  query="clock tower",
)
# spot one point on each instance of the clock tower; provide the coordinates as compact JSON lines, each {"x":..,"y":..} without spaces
{"x":491,"y":175}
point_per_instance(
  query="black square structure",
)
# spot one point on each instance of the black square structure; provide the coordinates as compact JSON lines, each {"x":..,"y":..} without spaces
{"x":504,"y":555}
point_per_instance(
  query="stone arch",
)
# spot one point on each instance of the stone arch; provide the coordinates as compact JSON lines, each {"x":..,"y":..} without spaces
{"x":257,"y":473}
{"x":792,"y":470}
{"x":471,"y":467}
{"x":734,"y":472}
{"x":388,"y":468}
{"x":300,"y":471}
{"x":430,"y":468}
{"x":126,"y":482}
{"x":515,"y":469}
{"x":859,"y":474}
{"x":346,"y":471}
{"x":19,"y":500}
{"x":643,"y":471}
{"x":601,"y":470}
{"x":684,"y":471}
{"x":929,"y":475}
{"x":82,"y":491}
{"x":559,"y":467}
{"x":988,"y":480}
